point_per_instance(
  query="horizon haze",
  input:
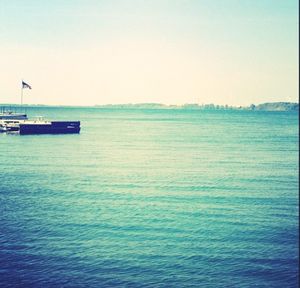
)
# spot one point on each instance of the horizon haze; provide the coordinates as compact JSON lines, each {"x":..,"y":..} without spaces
{"x":170,"y":52}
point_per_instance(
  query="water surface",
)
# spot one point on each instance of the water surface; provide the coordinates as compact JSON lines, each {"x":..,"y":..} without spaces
{"x":151,"y":198}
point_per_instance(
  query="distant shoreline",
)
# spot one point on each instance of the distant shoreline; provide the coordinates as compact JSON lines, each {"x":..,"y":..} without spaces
{"x":270,"y":106}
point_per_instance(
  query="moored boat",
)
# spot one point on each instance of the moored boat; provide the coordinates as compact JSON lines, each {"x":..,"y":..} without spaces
{"x":10,"y":125}
{"x":39,"y":126}
{"x":9,"y":115}
{"x":49,"y":127}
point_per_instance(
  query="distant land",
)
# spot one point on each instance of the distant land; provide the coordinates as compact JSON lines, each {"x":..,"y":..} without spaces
{"x":271,"y":106}
{"x":277,"y":106}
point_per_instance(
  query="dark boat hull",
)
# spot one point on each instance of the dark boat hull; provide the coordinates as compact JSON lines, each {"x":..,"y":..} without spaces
{"x":54,"y":127}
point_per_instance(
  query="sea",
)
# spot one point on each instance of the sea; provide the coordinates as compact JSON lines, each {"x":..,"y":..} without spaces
{"x":152,"y":198}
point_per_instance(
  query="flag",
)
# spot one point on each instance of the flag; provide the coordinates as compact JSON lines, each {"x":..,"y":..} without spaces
{"x":25,"y":85}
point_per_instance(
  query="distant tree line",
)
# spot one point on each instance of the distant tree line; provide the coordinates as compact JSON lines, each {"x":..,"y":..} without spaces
{"x":273,"y":106}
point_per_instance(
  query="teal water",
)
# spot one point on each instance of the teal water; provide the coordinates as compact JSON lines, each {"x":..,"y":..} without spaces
{"x":152,"y":198}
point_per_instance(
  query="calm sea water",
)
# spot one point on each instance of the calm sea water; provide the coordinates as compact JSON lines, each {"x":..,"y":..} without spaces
{"x":152,"y":198}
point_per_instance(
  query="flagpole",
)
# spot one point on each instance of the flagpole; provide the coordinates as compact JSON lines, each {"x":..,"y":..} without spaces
{"x":22,"y":96}
{"x":22,"y":93}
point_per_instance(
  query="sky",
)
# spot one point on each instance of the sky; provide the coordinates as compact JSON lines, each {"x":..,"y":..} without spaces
{"x":88,"y":52}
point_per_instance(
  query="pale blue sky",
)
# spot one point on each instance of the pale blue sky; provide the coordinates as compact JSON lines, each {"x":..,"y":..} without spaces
{"x":181,"y":51}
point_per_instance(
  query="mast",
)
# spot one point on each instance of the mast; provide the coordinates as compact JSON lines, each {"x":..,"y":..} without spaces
{"x":22,"y":94}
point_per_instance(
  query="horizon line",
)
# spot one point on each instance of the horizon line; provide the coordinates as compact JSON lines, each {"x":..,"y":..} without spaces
{"x":146,"y":103}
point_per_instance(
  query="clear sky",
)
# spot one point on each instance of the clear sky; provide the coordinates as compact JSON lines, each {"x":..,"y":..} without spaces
{"x":86,"y":52}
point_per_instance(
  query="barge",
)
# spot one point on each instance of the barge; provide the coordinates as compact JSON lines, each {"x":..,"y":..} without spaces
{"x":49,"y":127}
{"x":24,"y":126}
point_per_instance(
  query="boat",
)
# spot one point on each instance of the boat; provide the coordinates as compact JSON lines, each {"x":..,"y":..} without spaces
{"x":18,"y":122}
{"x":10,"y":125}
{"x":9,"y":120}
{"x":49,"y":127}
{"x":25,"y":127}
{"x":9,"y":115}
